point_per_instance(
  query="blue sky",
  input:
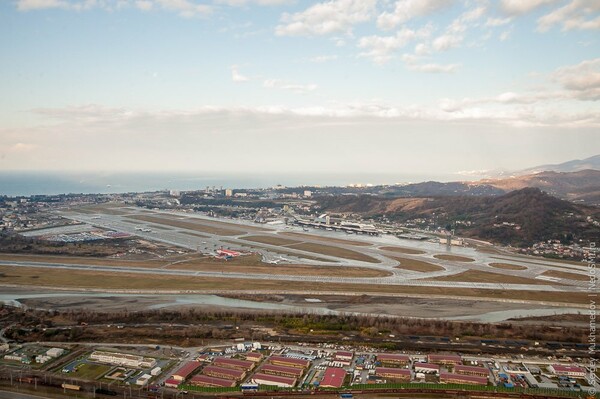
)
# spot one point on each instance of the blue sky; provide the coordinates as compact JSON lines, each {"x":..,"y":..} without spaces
{"x":271,"y":85}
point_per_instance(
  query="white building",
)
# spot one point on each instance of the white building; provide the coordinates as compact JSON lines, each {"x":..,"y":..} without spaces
{"x":123,"y":359}
{"x":143,"y":380}
{"x":155,"y":371}
{"x":55,"y":352}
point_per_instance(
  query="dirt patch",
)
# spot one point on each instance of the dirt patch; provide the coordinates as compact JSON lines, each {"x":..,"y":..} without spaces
{"x":408,"y":251}
{"x":566,"y":275}
{"x":279,"y":251}
{"x":417,"y":265}
{"x":454,"y":258}
{"x":507,"y":266}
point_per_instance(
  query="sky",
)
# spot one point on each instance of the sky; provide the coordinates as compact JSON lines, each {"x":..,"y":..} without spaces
{"x":460,"y":87}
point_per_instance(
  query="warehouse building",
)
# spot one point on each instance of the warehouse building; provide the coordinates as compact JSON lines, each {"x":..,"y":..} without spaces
{"x":393,"y":373}
{"x":444,"y":359}
{"x":294,"y":372}
{"x":343,"y":356}
{"x":172,"y":383}
{"x":471,"y":370}
{"x":123,"y":359}
{"x":450,"y":378}
{"x":221,"y":372}
{"x":333,"y":377}
{"x":234,"y":363}
{"x":289,"y":362}
{"x":427,"y":368}
{"x":211,"y":382}
{"x":570,"y":371}
{"x":274,"y":380}
{"x":55,"y":352}
{"x":393,"y":359}
{"x":184,"y":372}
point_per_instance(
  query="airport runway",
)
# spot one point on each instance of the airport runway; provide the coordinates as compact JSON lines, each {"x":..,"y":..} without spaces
{"x":188,"y":237}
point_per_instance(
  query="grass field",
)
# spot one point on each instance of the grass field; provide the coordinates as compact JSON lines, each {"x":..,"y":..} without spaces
{"x":478,"y":276}
{"x":223,"y":229}
{"x":83,"y":279}
{"x":417,"y":265}
{"x":408,"y":251}
{"x":307,"y":236}
{"x":507,"y":266}
{"x":553,"y":262}
{"x":333,"y":251}
{"x":454,"y":258}
{"x":90,"y":371}
{"x":566,"y":275}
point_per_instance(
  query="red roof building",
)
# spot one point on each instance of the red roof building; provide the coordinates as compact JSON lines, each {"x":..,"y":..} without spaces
{"x":462,"y":379}
{"x":222,"y":372}
{"x":333,"y":377}
{"x":288,"y":361}
{"x":393,"y":373}
{"x":393,"y":358}
{"x":282,"y":370}
{"x":444,"y":359}
{"x":571,"y":371}
{"x":254,"y":356}
{"x":276,"y":380}
{"x":206,"y":381}
{"x":184,"y":372}
{"x":471,"y":370}
{"x":233,"y":363}
{"x":172,"y":383}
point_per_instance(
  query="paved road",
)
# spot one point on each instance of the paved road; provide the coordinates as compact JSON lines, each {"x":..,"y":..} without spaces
{"x":16,"y":395}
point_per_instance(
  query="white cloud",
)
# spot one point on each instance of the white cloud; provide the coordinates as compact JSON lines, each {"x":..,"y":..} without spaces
{"x":494,"y":22}
{"x":28,"y":5}
{"x":236,"y":76}
{"x":21,"y":147}
{"x":435,"y":68}
{"x":520,"y":7}
{"x":185,"y":8}
{"x":455,"y":32}
{"x":505,"y":35}
{"x":283,"y":85}
{"x":405,"y":10}
{"x":381,"y":49}
{"x":577,"y":14}
{"x":333,"y":16}
{"x":324,"y":58}
{"x":582,"y":81}
{"x":240,"y":3}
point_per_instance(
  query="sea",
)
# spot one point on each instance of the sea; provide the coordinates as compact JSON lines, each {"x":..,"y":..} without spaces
{"x":52,"y":183}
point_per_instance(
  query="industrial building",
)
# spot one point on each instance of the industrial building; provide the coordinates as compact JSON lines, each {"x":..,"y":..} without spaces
{"x":172,"y":383}
{"x":274,"y":380}
{"x":471,"y":370}
{"x":342,"y":356}
{"x":221,"y":372}
{"x":234,"y":363}
{"x":211,"y":382}
{"x":393,"y":359}
{"x":393,"y":373}
{"x":333,"y":377}
{"x":185,"y":371}
{"x":123,"y":359}
{"x":427,"y":368}
{"x":289,"y":362}
{"x":282,"y":370}
{"x":444,"y":359}
{"x":570,"y":371}
{"x":450,"y":378}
